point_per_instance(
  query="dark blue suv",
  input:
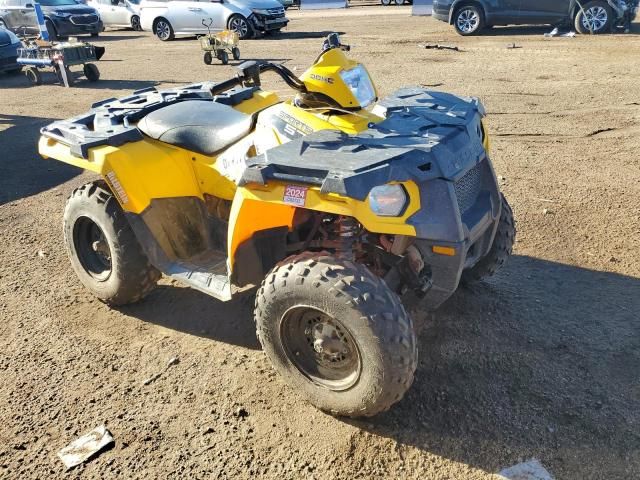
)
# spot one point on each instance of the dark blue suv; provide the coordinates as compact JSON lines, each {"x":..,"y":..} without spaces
{"x":596,"y":16}
{"x":9,"y":45}
{"x":62,"y":17}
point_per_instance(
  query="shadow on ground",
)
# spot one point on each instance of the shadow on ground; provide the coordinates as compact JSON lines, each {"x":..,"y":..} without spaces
{"x":23,"y":172}
{"x":541,"y":362}
{"x":192,"y":312}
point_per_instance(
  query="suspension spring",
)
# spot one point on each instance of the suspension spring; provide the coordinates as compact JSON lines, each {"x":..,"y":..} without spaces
{"x":347,"y":230}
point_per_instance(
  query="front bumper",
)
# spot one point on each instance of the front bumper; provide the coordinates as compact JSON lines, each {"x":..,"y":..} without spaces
{"x":64,"y":27}
{"x":468,"y":211}
{"x":264,"y":23}
{"x":9,"y":58}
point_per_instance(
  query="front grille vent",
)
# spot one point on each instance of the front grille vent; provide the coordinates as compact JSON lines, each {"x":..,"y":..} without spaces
{"x":468,"y":187}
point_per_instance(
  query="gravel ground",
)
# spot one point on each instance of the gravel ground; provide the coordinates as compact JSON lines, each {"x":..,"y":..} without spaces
{"x":542,"y":361}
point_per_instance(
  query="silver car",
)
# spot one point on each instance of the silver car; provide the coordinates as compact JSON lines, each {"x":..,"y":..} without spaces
{"x":168,"y":19}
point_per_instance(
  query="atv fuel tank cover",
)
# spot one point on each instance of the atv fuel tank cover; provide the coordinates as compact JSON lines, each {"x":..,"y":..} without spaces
{"x":419,"y":128}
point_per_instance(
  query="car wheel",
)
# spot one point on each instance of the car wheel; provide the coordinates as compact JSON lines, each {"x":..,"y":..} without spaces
{"x":594,"y":18}
{"x":468,"y":20}
{"x":241,"y":26}
{"x":135,"y":23}
{"x":386,"y":3}
{"x":163,"y":30}
{"x":399,"y":2}
{"x":51,"y":30}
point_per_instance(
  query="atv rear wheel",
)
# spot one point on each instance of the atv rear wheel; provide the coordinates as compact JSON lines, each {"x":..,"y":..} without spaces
{"x":103,"y":249}
{"x":500,"y":249}
{"x":337,"y":334}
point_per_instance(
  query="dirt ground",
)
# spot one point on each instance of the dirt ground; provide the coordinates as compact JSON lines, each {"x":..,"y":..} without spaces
{"x":542,"y":361}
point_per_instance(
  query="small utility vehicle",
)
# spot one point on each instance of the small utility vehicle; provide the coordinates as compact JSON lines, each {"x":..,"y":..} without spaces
{"x":336,"y":211}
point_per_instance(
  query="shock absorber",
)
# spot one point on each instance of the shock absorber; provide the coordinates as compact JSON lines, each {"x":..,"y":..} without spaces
{"x":346,"y":229}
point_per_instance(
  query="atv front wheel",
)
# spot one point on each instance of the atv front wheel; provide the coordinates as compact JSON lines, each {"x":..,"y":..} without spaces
{"x":103,"y":249}
{"x":500,"y":249}
{"x":337,"y":334}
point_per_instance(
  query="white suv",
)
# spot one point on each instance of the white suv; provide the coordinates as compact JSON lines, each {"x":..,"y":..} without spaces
{"x":177,"y":17}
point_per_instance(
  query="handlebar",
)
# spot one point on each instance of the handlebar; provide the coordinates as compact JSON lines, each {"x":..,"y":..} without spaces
{"x":250,"y":75}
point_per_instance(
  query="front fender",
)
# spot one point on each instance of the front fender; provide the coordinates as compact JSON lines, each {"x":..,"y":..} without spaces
{"x":261,"y":207}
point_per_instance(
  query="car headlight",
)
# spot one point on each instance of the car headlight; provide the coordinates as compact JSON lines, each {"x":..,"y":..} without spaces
{"x":259,"y":11}
{"x":388,"y":200}
{"x":62,"y":14}
{"x":359,"y":82}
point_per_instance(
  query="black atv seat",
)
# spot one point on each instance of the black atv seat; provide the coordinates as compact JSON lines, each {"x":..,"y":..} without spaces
{"x":198,"y":125}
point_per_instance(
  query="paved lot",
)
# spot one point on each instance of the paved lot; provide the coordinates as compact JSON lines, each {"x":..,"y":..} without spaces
{"x":541,"y":362}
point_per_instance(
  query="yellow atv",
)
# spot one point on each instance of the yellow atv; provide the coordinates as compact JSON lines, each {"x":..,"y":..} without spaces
{"x":339,"y":208}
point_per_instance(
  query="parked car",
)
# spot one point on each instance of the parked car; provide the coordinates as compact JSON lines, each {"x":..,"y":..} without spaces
{"x":168,"y":19}
{"x":9,"y":44}
{"x":62,"y":17}
{"x":596,"y":16}
{"x":118,"y":13}
{"x":386,"y":3}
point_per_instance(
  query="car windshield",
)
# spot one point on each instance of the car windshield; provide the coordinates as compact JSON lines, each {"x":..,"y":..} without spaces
{"x":57,"y":3}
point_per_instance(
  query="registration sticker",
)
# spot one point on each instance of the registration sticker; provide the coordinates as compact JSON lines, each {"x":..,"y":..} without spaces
{"x":294,"y":195}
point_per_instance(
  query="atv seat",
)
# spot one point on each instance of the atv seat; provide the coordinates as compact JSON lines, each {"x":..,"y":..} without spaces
{"x":204,"y":127}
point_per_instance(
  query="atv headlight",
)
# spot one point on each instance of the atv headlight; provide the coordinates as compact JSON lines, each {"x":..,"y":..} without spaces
{"x":388,"y":200}
{"x":359,"y":82}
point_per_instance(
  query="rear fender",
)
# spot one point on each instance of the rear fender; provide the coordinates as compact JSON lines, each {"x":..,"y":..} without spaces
{"x":137,"y":172}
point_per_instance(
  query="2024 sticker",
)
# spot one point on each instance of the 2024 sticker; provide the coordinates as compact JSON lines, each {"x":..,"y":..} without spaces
{"x":295,"y":195}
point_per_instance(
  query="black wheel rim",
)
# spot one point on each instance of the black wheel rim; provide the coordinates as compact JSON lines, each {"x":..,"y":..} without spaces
{"x":92,"y":248}
{"x":320,"y":347}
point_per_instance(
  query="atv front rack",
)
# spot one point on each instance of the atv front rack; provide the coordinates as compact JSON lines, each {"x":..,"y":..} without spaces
{"x":425,"y":135}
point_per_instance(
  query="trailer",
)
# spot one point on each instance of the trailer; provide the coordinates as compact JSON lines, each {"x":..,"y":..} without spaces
{"x":41,"y":55}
